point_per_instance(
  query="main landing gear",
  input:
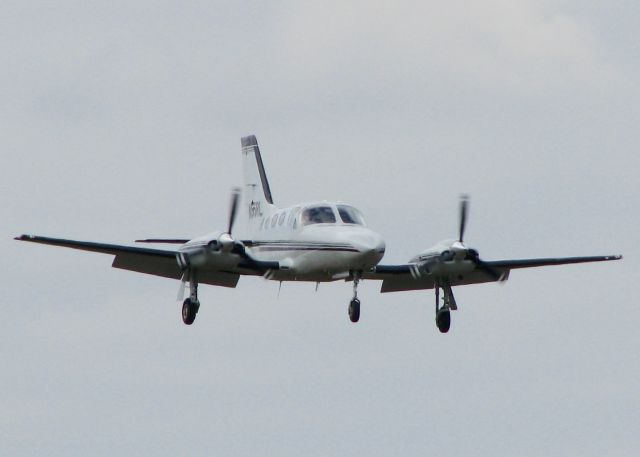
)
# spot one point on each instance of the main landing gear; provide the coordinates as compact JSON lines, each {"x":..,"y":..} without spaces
{"x":191,"y":305}
{"x":354,"y":305}
{"x":443,"y":314}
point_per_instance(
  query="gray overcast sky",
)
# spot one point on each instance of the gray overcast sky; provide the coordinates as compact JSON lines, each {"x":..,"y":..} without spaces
{"x":121,"y":120}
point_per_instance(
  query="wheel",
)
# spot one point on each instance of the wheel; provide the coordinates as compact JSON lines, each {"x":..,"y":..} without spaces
{"x":189,"y":311}
{"x":354,"y":310}
{"x":443,"y":320}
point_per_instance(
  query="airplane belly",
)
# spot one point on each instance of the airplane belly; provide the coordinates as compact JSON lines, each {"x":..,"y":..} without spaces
{"x":321,"y":262}
{"x":307,"y":264}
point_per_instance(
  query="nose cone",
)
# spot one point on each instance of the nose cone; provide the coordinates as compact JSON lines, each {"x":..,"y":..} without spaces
{"x":370,"y":246}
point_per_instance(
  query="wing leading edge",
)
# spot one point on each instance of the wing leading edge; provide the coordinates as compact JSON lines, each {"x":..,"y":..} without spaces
{"x":531,"y":263}
{"x":411,"y":276}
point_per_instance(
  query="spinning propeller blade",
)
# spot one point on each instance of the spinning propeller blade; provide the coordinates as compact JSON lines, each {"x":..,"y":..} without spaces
{"x":233,"y":210}
{"x":464,"y":199}
{"x":495,"y":274}
{"x":183,"y":281}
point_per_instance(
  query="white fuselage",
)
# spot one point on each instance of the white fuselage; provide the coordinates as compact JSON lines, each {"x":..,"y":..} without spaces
{"x":308,"y":250}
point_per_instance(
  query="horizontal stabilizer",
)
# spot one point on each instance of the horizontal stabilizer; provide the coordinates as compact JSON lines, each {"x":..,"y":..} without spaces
{"x":163,"y":240}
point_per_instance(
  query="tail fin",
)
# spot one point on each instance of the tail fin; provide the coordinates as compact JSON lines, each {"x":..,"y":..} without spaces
{"x":257,"y":194}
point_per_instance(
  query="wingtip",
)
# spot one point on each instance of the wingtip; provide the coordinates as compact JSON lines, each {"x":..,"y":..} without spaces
{"x":23,"y":237}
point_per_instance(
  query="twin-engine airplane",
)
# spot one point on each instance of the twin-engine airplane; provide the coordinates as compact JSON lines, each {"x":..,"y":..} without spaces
{"x":315,"y":241}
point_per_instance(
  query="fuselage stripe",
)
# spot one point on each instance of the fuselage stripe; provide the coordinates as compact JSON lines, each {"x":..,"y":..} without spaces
{"x":304,"y":248}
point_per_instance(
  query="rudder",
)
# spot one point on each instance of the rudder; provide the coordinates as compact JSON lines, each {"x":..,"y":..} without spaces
{"x":257,"y":192}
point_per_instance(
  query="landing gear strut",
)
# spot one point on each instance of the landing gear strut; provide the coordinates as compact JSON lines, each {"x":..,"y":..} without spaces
{"x":443,"y":314}
{"x":354,"y":305}
{"x":191,"y":305}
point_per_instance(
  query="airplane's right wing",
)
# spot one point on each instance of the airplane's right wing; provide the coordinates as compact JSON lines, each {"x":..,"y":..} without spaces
{"x":414,"y":276}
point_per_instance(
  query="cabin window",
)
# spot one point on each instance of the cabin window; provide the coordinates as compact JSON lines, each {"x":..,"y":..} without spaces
{"x":281,"y":218}
{"x":274,"y":219}
{"x":262,"y":224}
{"x":318,"y":215}
{"x":292,"y":216}
{"x":350,"y":215}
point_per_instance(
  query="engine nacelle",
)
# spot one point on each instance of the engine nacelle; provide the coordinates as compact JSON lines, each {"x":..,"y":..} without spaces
{"x":223,"y":243}
{"x":211,"y":249}
{"x":449,"y":257}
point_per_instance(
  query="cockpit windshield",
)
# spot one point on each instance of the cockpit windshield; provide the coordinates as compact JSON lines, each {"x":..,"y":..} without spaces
{"x":350,"y":215}
{"x":318,"y":215}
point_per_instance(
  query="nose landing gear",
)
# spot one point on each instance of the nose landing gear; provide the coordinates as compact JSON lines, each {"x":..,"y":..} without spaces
{"x":354,"y":305}
{"x":354,"y":310}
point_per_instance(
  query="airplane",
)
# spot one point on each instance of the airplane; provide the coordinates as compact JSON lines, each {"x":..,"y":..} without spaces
{"x":318,"y":241}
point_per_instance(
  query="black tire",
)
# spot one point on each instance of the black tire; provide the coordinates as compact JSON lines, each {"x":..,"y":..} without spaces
{"x":189,"y":311}
{"x":354,"y":310}
{"x":443,"y":320}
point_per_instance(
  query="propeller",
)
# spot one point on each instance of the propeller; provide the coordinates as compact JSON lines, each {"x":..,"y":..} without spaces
{"x":183,"y":283}
{"x":464,"y":204}
{"x":233,"y":209}
{"x":237,"y":247}
{"x":496,"y":275}
{"x":472,"y":254}
{"x":224,"y":242}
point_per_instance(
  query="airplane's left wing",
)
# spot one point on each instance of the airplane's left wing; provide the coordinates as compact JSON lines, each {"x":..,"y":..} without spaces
{"x":157,"y":262}
{"x":417,"y":276}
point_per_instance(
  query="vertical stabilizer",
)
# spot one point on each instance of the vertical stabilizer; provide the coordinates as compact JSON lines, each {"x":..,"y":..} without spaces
{"x":257,"y":193}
